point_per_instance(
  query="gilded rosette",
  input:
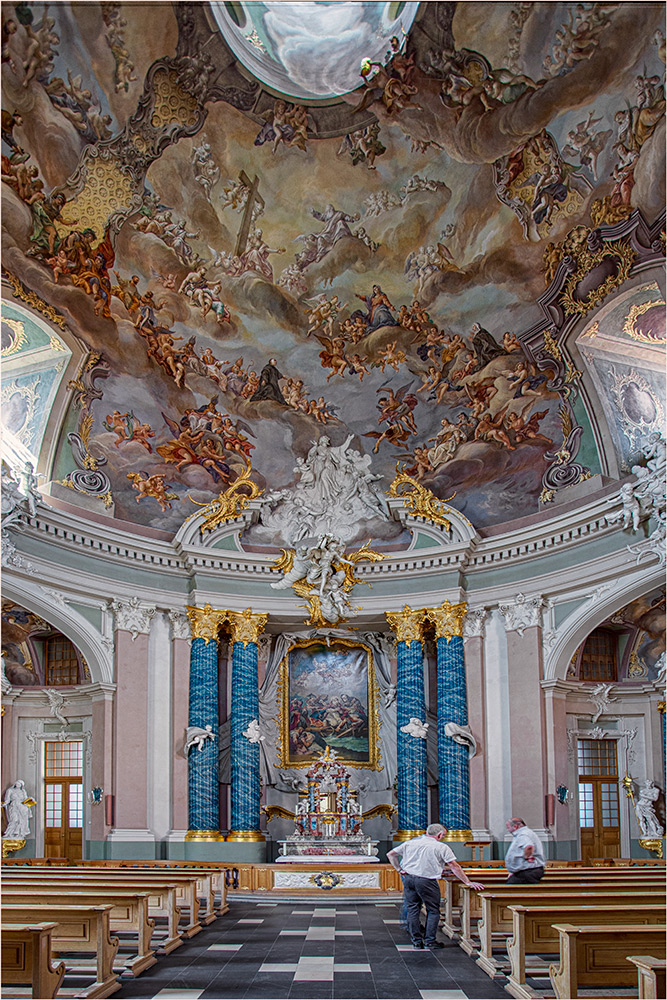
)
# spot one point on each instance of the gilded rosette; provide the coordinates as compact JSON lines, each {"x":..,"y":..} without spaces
{"x":447,"y":620}
{"x":419,"y":501}
{"x":205,"y":622}
{"x":245,"y":626}
{"x":407,"y":625}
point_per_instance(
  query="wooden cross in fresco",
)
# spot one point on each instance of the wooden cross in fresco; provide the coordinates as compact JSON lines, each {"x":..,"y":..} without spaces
{"x":253,"y":196}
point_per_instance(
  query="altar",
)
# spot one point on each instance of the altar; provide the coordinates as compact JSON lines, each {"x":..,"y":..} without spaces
{"x":328,"y":819}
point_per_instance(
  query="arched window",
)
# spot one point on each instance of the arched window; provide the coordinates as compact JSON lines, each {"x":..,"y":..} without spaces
{"x":61,"y":662}
{"x":599,"y":659}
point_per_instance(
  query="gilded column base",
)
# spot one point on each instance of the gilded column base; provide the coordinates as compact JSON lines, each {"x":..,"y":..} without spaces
{"x":653,"y":844}
{"x":241,"y":836}
{"x":407,"y":834}
{"x":9,"y":846}
{"x":210,"y":835}
{"x":459,"y":835}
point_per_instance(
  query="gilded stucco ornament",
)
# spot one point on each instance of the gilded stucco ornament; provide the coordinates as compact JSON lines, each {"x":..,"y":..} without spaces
{"x":229,"y":503}
{"x":447,"y":619}
{"x":34,"y":301}
{"x":205,"y":622}
{"x":585,"y":259}
{"x":407,"y":625}
{"x":419,"y":501}
{"x":246,"y":626}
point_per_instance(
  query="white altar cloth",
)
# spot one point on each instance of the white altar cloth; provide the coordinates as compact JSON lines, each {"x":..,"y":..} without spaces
{"x":328,"y":859}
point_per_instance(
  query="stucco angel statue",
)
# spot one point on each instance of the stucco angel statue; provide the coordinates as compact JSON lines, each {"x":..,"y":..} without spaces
{"x":645,"y":810}
{"x":252,"y":733}
{"x":195,"y":736}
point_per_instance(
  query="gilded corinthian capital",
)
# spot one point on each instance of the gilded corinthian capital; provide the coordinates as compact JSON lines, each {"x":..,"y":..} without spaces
{"x":205,"y":622}
{"x":245,"y":627}
{"x":407,"y":625}
{"x":447,"y":619}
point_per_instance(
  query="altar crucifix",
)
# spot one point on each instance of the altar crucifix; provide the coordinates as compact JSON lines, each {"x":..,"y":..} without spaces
{"x":254,"y":197}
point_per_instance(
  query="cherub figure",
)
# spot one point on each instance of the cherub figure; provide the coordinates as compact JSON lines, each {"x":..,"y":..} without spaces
{"x":152,"y":486}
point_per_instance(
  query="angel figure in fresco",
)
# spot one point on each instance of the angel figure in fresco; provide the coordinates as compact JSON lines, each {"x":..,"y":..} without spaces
{"x":152,"y":486}
{"x":395,"y":434}
{"x":396,"y":407}
{"x":333,"y":356}
{"x":586,"y":144}
{"x":491,"y":429}
{"x":527,"y":430}
{"x":390,"y":356}
{"x":126,"y":429}
{"x":324,"y":313}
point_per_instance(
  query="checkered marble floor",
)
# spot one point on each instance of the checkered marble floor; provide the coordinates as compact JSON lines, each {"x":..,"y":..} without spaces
{"x":307,"y":951}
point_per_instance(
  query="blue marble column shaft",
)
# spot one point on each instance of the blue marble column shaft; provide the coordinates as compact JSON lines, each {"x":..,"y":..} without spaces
{"x":453,"y":768}
{"x":203,"y":786}
{"x":245,"y":785}
{"x":411,"y":750}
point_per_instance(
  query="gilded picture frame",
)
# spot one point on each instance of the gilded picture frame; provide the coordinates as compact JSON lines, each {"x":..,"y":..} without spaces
{"x":328,"y":697}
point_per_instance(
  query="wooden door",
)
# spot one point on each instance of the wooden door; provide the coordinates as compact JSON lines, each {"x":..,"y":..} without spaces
{"x":598,"y":800}
{"x":63,"y":800}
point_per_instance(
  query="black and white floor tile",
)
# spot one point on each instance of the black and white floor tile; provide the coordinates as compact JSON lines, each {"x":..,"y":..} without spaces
{"x":303,"y":951}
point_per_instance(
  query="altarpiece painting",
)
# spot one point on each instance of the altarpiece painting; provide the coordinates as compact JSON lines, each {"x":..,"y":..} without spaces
{"x":328,"y":700}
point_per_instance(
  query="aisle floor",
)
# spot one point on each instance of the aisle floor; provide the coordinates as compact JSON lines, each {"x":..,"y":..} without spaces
{"x":263,"y":951}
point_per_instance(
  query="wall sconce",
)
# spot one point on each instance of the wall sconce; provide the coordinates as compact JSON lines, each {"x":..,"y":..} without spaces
{"x":95,"y":796}
{"x":562,"y":794}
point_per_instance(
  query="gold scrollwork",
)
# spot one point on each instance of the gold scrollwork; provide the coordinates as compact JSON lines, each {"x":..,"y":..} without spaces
{"x":550,"y":346}
{"x":33,"y":300}
{"x":277,"y":811}
{"x":419,"y":500}
{"x":205,"y":622}
{"x":282,"y":719}
{"x":19,"y":336}
{"x":407,"y":625}
{"x":245,"y":626}
{"x":653,"y":844}
{"x":630,"y":325}
{"x":619,"y":251}
{"x":229,"y":504}
{"x":382,"y":810}
{"x":9,"y":846}
{"x":447,"y":619}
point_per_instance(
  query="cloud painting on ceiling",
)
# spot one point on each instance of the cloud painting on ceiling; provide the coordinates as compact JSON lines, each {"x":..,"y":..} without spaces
{"x":250,"y":273}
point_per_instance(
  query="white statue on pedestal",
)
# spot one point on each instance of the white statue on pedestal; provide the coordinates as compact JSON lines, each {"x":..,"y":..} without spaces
{"x":645,"y":810}
{"x":18,"y":810}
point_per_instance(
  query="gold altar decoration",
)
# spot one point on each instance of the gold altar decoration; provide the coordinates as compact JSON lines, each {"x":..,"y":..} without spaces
{"x":229,"y":503}
{"x":447,"y":619}
{"x":384,"y":809}
{"x":205,"y":835}
{"x":245,"y":626}
{"x":661,"y":706}
{"x":205,"y":622}
{"x":302,"y":588}
{"x":459,"y":835}
{"x":407,"y":625}
{"x":407,"y":834}
{"x":282,"y":719}
{"x":9,"y":845}
{"x":419,"y":501}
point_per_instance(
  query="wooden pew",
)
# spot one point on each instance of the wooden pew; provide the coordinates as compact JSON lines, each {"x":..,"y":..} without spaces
{"x":161,"y":900}
{"x":452,"y":889}
{"x":595,"y":957}
{"x":472,"y":911}
{"x":129,"y":913}
{"x":497,"y":918}
{"x":26,"y":960}
{"x":213,"y":872}
{"x":78,"y":929}
{"x":187,"y":894}
{"x":533,"y":933}
{"x":652,"y":984}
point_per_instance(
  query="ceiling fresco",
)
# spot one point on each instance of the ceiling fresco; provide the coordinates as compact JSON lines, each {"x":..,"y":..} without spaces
{"x":250,"y":273}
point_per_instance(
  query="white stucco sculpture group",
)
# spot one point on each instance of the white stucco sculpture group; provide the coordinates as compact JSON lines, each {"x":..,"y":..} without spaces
{"x":647,"y":820}
{"x":416,"y":728}
{"x":335,"y":492}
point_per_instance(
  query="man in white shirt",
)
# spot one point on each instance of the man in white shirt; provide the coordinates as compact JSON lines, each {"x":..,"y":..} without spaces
{"x":420,"y":863}
{"x":525,"y":856}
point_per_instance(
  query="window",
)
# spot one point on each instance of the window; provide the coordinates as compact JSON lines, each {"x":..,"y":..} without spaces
{"x":598,"y":660}
{"x":597,"y":757}
{"x":64,"y":760}
{"x":62,"y":664}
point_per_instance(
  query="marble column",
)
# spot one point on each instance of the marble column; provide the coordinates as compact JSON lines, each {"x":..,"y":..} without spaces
{"x":245,"y":629}
{"x":661,"y":709}
{"x":203,"y":783}
{"x":408,"y":627}
{"x":180,"y":672}
{"x":453,"y":755}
